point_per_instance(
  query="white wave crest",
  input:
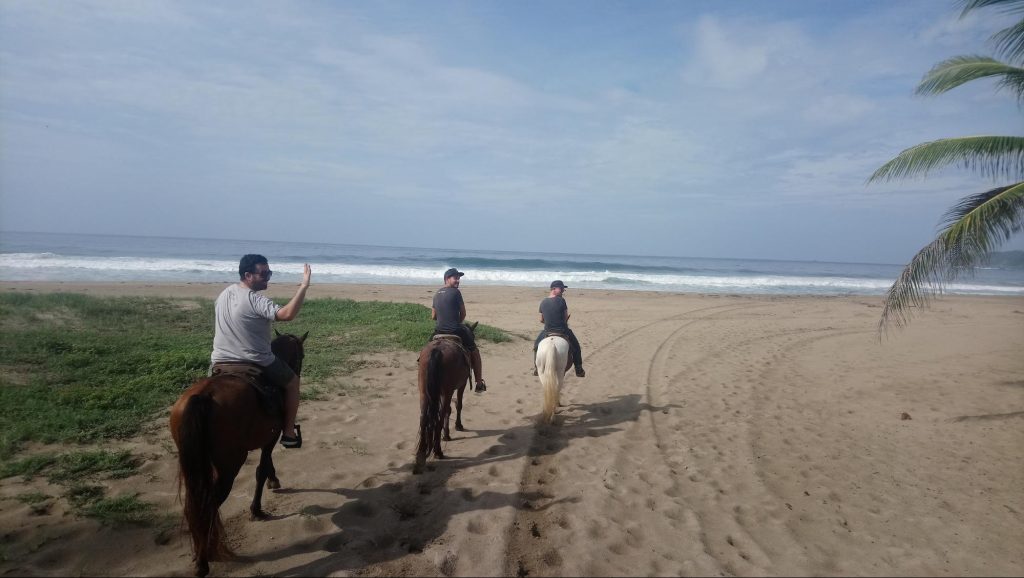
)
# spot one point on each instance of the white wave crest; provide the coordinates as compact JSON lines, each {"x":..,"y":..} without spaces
{"x":50,"y":266}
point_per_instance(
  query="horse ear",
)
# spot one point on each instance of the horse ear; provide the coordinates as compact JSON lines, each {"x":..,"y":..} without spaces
{"x":277,"y":333}
{"x":473,"y":326}
{"x":303,"y":338}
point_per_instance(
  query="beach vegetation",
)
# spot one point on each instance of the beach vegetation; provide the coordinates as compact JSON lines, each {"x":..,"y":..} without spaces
{"x":978,"y":223}
{"x":120,"y":510}
{"x":84,"y":369}
{"x":71,"y":466}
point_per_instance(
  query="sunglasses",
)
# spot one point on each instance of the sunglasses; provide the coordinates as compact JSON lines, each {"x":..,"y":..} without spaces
{"x":264,"y":275}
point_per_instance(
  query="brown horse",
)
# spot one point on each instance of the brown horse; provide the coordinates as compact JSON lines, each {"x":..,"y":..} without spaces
{"x":215,"y":424}
{"x":444,"y":370}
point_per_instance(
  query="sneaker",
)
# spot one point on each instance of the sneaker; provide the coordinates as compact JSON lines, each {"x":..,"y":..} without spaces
{"x":481,"y":387}
{"x":580,"y":372}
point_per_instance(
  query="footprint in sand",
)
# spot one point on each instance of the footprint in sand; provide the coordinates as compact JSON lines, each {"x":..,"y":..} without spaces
{"x":448,"y":563}
{"x":476,"y":526}
{"x":552,"y":558}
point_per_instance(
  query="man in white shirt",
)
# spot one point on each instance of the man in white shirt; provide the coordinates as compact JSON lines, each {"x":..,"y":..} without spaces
{"x":242,"y":332}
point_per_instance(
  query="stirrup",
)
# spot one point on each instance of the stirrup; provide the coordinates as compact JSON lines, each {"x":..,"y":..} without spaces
{"x":293,"y":443}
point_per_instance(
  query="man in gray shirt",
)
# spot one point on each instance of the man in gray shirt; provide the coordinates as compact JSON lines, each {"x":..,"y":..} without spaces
{"x":242,"y":332}
{"x":554,"y":314}
{"x":449,"y":310}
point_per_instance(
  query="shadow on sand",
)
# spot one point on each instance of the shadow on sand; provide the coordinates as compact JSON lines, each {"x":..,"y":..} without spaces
{"x":386,"y":521}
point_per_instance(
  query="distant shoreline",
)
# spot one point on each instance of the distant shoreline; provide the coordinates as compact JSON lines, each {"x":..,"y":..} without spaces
{"x":424,"y":293}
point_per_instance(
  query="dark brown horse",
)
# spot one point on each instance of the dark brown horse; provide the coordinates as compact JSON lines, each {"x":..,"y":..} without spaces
{"x":444,"y":370}
{"x":215,"y":424}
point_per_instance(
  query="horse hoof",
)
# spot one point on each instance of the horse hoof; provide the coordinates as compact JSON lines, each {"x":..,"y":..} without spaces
{"x":202,"y":569}
{"x":447,"y":437}
{"x":458,"y":427}
{"x":258,"y":515}
{"x":273,"y":484}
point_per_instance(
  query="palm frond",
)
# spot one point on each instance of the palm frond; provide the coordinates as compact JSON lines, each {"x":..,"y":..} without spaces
{"x":973,"y":228}
{"x":1009,"y":42}
{"x":991,"y":156}
{"x":1010,"y":6}
{"x":959,"y":70}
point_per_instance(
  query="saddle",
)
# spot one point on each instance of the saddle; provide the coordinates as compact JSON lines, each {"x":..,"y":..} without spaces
{"x":458,"y":341}
{"x":271,"y":397}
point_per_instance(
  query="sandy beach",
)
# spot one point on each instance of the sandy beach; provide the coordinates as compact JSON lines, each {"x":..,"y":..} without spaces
{"x":713,"y":435}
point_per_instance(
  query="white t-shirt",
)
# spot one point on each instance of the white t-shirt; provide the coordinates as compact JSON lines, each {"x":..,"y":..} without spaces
{"x":243,"y":326}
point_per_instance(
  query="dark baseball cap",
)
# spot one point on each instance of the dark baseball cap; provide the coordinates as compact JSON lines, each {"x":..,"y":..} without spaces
{"x":559,"y":284}
{"x":452,"y":273}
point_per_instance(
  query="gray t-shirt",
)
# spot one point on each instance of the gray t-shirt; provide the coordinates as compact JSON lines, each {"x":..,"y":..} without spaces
{"x":243,"y":326}
{"x":448,"y":304}
{"x":553,"y":309}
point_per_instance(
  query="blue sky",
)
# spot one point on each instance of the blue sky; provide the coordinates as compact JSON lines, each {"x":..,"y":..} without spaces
{"x":704,"y":129}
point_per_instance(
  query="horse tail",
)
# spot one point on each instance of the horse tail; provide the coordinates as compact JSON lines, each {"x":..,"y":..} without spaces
{"x":550,"y":371}
{"x":196,"y":474}
{"x":430,"y":421}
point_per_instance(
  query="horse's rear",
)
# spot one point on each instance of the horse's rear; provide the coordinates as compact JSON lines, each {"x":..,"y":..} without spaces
{"x":214,"y":424}
{"x":553,"y":360}
{"x":443,"y":371}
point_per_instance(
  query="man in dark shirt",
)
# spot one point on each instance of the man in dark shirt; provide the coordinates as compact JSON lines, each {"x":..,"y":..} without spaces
{"x":554,"y":314}
{"x":449,"y":310}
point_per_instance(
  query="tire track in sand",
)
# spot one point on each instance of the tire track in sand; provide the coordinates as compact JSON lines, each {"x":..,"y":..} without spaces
{"x":607,"y":479}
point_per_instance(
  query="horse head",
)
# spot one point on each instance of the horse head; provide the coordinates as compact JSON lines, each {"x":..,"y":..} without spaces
{"x":289,"y":348}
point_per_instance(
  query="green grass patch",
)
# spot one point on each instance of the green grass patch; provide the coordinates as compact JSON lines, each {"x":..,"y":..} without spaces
{"x":27,"y":467}
{"x":74,"y":466}
{"x":121,"y":510}
{"x":81,"y":495}
{"x":32,"y":497}
{"x":78,"y":368}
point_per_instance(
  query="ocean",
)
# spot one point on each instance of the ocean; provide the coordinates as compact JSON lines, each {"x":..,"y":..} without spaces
{"x":108,"y":258}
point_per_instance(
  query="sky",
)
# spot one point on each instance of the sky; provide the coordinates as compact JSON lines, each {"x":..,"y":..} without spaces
{"x":724,"y":129}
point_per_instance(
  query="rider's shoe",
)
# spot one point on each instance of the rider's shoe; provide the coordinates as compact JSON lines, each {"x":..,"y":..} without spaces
{"x":293,"y":442}
{"x":580,"y":372}
{"x":481,"y":387}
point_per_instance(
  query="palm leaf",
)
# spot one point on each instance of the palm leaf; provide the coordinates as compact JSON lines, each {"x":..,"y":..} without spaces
{"x":1009,"y":42}
{"x":959,"y":70}
{"x":974,"y":226}
{"x":1010,"y":6}
{"x":991,"y":156}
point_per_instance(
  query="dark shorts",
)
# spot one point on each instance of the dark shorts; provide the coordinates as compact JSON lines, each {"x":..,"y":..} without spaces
{"x":465,"y":334}
{"x":278,"y":373}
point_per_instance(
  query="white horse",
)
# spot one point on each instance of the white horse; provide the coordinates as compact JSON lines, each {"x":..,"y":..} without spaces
{"x":553,"y":360}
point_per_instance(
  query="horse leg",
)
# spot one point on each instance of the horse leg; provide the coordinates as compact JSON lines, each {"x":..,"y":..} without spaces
{"x":446,"y":414}
{"x":265,"y":473}
{"x":458,"y":408}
